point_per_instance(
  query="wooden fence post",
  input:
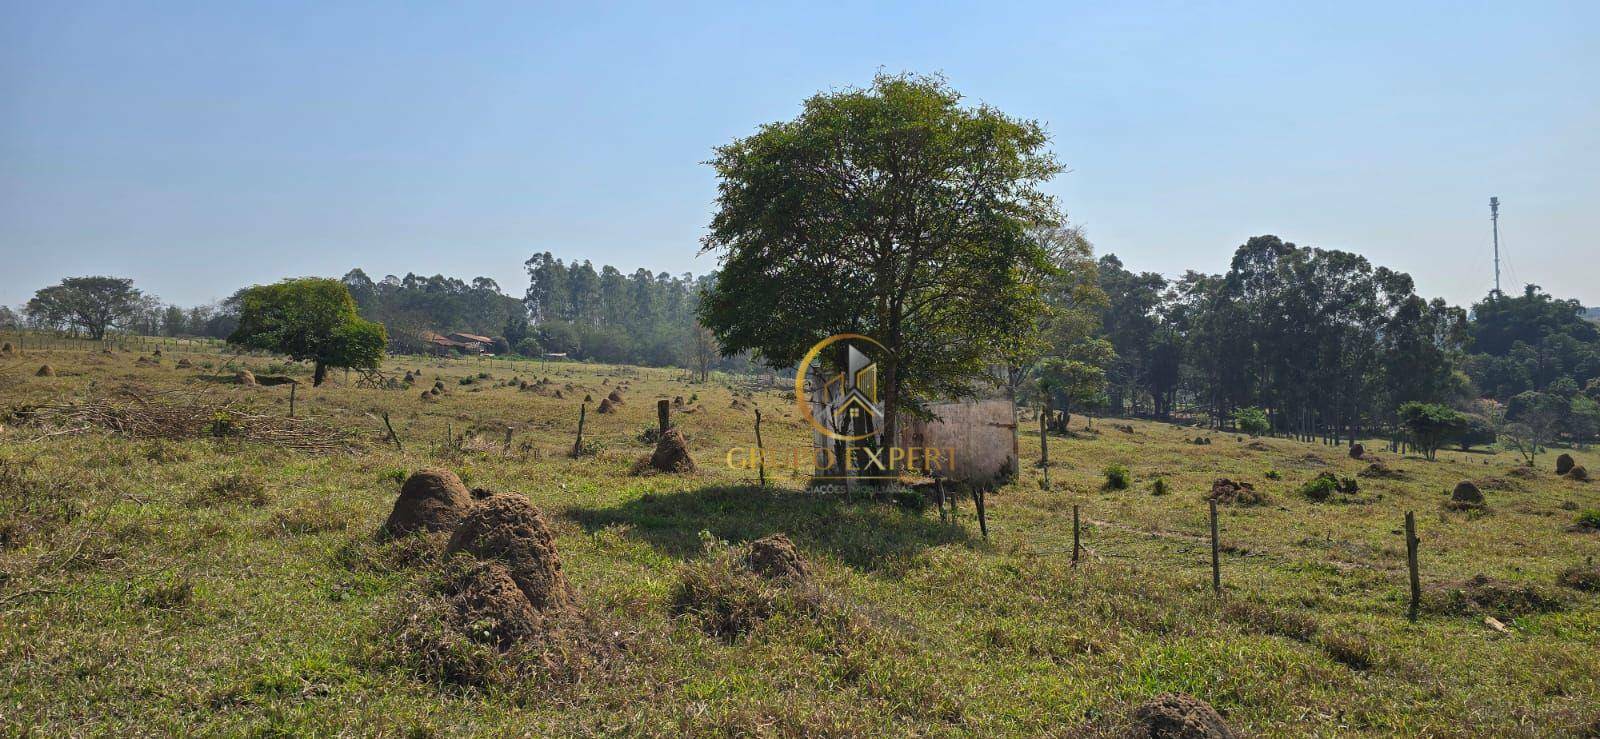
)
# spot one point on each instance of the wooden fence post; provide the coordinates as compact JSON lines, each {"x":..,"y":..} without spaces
{"x":1411,"y":564}
{"x":663,"y":416}
{"x":983,"y":519}
{"x":1044,"y":449}
{"x":761,"y":451}
{"x":292,"y":387}
{"x":938,"y":496}
{"x":392,"y":436}
{"x":508,"y":442}
{"x":1075,"y":545}
{"x":1216,"y":565}
{"x":577,"y":446}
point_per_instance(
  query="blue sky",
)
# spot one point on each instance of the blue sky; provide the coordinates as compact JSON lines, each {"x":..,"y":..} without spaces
{"x":199,"y":147}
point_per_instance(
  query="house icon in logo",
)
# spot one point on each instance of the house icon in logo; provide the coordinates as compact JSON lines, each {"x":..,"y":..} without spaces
{"x":854,"y":393}
{"x":845,"y":406}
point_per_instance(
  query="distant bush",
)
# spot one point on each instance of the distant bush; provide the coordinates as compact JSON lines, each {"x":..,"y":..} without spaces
{"x":1117,"y":477}
{"x":1589,"y":519}
{"x":1252,"y":421}
{"x":1273,"y":475}
{"x":1159,"y":487}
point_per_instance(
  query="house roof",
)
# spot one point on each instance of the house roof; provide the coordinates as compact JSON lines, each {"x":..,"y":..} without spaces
{"x":459,"y":336}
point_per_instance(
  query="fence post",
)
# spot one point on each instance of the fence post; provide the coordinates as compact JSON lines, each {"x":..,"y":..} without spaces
{"x":1044,"y":448}
{"x":761,"y":454}
{"x":1075,"y":545}
{"x":663,"y":416}
{"x":978,"y":494}
{"x":292,"y":387}
{"x":1411,"y":564}
{"x":392,"y":436}
{"x":577,"y":446}
{"x":1216,"y":566}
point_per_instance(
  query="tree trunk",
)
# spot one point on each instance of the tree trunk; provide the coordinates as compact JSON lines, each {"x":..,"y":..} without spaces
{"x":319,"y":375}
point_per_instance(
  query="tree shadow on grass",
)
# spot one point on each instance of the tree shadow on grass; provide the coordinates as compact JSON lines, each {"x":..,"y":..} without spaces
{"x":868,"y":535}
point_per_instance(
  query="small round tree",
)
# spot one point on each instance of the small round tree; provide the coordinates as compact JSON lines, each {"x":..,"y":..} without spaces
{"x":312,"y":320}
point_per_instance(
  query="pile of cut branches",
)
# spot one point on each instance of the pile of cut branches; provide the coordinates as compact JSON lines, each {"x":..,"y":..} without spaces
{"x":151,"y":414}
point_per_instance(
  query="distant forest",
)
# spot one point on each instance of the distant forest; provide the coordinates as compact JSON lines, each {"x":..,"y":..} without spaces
{"x":1316,"y":341}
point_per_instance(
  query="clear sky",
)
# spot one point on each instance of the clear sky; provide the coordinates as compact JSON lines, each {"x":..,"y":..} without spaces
{"x":202,"y":146}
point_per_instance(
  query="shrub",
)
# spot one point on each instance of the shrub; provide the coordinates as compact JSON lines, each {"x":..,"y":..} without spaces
{"x":1252,"y":420}
{"x":1117,"y":477}
{"x":1589,"y":519}
{"x":1159,"y":487}
{"x":1273,"y":475}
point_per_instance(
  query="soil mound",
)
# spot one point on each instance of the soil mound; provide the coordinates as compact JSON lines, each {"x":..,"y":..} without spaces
{"x":1179,"y":716}
{"x":605,"y":406}
{"x":1228,"y":492}
{"x":615,"y":397}
{"x":1585,"y":577}
{"x":775,"y":557}
{"x":1564,"y":463}
{"x":45,"y":370}
{"x":486,"y":600}
{"x":736,"y":404}
{"x":1356,"y":450}
{"x":7,"y":349}
{"x":1258,"y":446}
{"x":508,"y":529}
{"x":1526,"y":473}
{"x":1578,"y":473}
{"x":672,"y":453}
{"x":430,"y":500}
{"x":1467,"y":493}
{"x":1485,"y":595}
{"x":185,"y":363}
{"x":1381,"y":471}
{"x":246,"y":378}
{"x":677,"y":401}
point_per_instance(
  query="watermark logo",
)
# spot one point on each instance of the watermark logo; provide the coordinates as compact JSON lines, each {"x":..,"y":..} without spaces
{"x":848,"y":399}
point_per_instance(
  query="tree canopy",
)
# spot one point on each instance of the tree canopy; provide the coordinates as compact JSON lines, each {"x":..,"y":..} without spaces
{"x":892,"y":211}
{"x":310,"y":319}
{"x":92,"y":305}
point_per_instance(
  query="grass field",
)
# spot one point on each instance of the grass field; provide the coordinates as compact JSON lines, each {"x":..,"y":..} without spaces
{"x":228,"y":586}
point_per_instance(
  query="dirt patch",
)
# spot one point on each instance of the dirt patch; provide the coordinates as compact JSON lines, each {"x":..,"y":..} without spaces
{"x":430,"y":500}
{"x":246,"y":378}
{"x":1228,"y":492}
{"x":1258,"y":446}
{"x":1525,"y":473}
{"x":1564,"y":463}
{"x":1179,"y":716}
{"x":45,"y":370}
{"x":1486,"y":596}
{"x":1497,"y":484}
{"x":775,"y":557}
{"x":507,"y":528}
{"x":672,"y":453}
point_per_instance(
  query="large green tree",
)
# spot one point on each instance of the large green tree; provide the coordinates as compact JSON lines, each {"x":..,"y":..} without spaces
{"x":92,"y":305}
{"x":312,"y":320}
{"x":893,"y":211}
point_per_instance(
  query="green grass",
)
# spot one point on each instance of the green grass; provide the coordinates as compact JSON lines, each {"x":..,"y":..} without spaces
{"x":221,"y":586}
